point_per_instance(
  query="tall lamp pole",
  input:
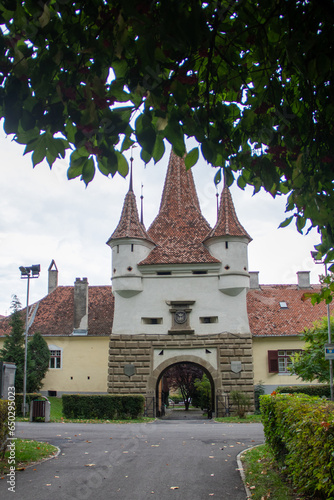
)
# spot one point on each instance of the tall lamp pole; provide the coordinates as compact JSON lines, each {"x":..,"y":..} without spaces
{"x":27,"y":273}
{"x":317,"y":261}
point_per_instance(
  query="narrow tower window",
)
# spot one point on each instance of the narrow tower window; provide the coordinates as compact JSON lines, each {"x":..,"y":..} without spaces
{"x":131,"y":248}
{"x":226,"y":245}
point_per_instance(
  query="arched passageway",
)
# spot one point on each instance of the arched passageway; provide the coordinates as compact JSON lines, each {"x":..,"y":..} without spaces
{"x":195,"y":385}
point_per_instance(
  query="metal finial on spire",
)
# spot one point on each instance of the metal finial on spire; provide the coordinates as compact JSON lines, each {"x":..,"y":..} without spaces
{"x":131,"y":162}
{"x":217,"y":197}
{"x":141,"y":206}
{"x":131,"y":182}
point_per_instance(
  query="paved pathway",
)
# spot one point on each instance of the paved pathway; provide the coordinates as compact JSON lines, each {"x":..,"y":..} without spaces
{"x":165,"y":459}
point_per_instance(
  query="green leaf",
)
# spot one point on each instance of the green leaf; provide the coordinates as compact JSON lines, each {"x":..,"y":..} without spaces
{"x":174,"y":134}
{"x":75,"y":168}
{"x":122,"y":164}
{"x":241,"y":182}
{"x":286,"y":222}
{"x":191,"y":158}
{"x":159,"y":149}
{"x":88,"y":170}
{"x":218,"y":177}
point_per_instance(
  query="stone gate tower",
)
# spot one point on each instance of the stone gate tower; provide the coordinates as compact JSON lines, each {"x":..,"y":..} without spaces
{"x":180,"y":293}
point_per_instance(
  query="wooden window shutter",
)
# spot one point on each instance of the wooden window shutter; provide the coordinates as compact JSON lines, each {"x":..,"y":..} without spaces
{"x":273,"y":361}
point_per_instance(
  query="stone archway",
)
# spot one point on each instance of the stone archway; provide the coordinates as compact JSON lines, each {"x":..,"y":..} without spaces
{"x":160,"y":401}
{"x":184,"y":357}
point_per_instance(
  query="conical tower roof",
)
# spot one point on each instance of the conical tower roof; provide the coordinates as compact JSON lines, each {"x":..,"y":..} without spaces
{"x":179,"y":228}
{"x":227,"y":221}
{"x":129,"y":225}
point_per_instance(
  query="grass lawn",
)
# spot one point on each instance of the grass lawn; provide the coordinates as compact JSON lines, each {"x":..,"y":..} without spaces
{"x":248,"y":419}
{"x":25,"y":452}
{"x":263,"y":477}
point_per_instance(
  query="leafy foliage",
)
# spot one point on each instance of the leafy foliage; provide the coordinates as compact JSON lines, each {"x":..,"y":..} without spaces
{"x":39,"y":355}
{"x":251,"y":82}
{"x":4,"y":429}
{"x":13,"y":346}
{"x":300,"y":431}
{"x":102,"y":406}
{"x":182,"y":376}
{"x":310,"y":364}
{"x":241,"y":401}
{"x":319,"y":390}
{"x":202,"y":396}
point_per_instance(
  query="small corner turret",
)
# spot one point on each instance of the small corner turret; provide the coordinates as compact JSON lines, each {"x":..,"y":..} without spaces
{"x":228,"y":242}
{"x":130,"y":244}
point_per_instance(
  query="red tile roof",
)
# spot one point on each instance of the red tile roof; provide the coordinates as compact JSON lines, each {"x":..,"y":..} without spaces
{"x":55,"y":313}
{"x":267,"y":318}
{"x":227,"y":221}
{"x":179,"y":228}
{"x":129,"y":225}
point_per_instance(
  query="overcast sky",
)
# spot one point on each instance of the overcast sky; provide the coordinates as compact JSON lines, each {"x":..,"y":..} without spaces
{"x":43,"y":216}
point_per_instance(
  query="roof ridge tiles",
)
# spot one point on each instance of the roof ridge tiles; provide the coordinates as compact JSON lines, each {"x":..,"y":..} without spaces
{"x":180,"y":227}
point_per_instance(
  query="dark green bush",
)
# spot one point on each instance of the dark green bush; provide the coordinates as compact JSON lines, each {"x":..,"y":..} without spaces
{"x":300,"y":431}
{"x":4,"y":429}
{"x":320,"y":390}
{"x":19,"y":402}
{"x":102,"y":406}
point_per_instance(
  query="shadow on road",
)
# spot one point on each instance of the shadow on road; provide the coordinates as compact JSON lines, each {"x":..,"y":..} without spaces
{"x":174,"y":414}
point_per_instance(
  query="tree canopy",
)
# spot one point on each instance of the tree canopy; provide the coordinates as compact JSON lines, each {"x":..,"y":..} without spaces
{"x":38,"y":354}
{"x":251,"y":82}
{"x":310,"y":364}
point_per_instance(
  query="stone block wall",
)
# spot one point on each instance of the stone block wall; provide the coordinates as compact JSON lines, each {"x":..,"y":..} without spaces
{"x":138,"y":351}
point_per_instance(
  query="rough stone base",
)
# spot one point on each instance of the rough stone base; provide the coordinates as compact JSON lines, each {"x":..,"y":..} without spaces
{"x":150,"y":355}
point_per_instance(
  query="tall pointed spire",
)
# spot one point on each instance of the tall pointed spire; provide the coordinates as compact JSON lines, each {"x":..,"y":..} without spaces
{"x":227,"y":221}
{"x":129,"y":225}
{"x":179,"y":228}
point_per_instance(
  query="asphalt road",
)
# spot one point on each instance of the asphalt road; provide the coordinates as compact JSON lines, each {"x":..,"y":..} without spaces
{"x":165,"y":459}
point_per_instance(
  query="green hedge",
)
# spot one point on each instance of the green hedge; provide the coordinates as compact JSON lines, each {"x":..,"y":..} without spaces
{"x":104,"y":406}
{"x":320,"y":390}
{"x":19,"y":402}
{"x":300,"y":431}
{"x":4,"y":429}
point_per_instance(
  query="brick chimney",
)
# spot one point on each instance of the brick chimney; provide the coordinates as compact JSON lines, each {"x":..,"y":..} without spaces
{"x":53,"y":277}
{"x":303,"y":279}
{"x":80,"y":321}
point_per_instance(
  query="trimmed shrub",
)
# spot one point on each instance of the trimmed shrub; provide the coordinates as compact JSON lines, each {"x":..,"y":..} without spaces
{"x":4,"y":429}
{"x":320,"y":390}
{"x":19,"y":402}
{"x":300,"y":432}
{"x":102,"y":406}
{"x":241,"y":401}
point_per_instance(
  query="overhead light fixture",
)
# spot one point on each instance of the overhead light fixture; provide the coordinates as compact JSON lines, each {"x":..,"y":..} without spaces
{"x":27,"y":273}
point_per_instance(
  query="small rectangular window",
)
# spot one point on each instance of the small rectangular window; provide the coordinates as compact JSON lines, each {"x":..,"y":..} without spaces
{"x":152,"y":321}
{"x":284,"y":360}
{"x":208,"y":319}
{"x":226,"y":245}
{"x":164,"y":273}
{"x":200,"y":272}
{"x":55,"y":359}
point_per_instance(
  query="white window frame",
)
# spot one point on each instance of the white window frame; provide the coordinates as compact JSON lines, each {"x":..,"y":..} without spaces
{"x":55,"y":348}
{"x":284,"y":360}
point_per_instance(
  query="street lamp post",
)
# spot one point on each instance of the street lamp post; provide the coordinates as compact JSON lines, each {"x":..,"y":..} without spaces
{"x":27,"y":273}
{"x":317,"y":261}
